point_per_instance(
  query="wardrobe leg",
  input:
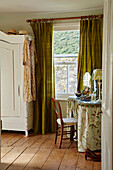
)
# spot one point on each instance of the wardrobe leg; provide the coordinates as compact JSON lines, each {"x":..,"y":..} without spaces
{"x":26,"y":133}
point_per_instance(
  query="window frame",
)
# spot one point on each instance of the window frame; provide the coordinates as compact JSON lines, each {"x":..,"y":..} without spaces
{"x":67,"y":63}
{"x":58,"y":28}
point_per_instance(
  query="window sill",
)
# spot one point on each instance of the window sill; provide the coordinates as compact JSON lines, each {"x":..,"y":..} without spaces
{"x":63,"y":97}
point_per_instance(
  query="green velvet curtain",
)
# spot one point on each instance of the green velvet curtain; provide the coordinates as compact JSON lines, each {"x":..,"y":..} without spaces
{"x":44,"y":117}
{"x":90,"y":48}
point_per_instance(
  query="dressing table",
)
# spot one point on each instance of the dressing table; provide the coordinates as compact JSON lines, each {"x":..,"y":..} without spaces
{"x":89,"y":122}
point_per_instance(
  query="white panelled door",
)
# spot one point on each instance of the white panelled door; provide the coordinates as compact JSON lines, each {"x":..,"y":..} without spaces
{"x":0,"y":115}
{"x":10,"y":94}
{"x":107,"y":85}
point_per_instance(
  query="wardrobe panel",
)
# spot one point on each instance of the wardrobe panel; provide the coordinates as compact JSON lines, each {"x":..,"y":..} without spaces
{"x":10,"y":80}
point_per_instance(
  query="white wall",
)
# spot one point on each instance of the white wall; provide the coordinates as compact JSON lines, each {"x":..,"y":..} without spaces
{"x":18,"y":20}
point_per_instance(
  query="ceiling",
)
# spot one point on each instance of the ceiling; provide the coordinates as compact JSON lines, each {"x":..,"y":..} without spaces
{"x":14,"y":13}
{"x":48,"y":6}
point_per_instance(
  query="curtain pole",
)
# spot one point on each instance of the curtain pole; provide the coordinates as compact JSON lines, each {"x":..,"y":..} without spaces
{"x":68,"y":18}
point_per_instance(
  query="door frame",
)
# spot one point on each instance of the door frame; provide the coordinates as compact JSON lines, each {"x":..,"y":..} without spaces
{"x":107,"y":86}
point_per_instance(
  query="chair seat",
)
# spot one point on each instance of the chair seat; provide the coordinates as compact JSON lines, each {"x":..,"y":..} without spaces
{"x":68,"y":121}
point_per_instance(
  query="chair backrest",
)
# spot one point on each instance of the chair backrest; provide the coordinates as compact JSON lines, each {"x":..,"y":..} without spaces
{"x":57,"y":109}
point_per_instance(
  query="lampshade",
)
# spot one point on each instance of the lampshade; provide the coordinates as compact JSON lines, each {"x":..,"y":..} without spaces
{"x":97,"y":74}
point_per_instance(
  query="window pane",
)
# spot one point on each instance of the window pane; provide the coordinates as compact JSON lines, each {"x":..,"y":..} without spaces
{"x":61,"y":78}
{"x":72,"y":78}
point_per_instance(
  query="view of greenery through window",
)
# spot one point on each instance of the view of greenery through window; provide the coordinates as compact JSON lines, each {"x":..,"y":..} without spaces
{"x":66,"y":42}
{"x":66,"y":47}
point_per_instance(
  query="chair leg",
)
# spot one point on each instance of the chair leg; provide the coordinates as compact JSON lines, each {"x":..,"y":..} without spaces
{"x":72,"y":132}
{"x":61,"y":136}
{"x":56,"y":132}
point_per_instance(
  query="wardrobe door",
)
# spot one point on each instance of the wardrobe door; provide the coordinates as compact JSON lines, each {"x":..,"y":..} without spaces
{"x":10,"y":79}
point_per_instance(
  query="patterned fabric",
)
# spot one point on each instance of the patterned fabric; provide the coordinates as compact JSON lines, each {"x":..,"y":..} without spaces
{"x":89,"y":127}
{"x":89,"y":124}
{"x":29,"y":61}
{"x":72,"y":108}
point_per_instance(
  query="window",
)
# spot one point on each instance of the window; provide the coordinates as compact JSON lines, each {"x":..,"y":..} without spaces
{"x":66,"y":47}
{"x":66,"y":73}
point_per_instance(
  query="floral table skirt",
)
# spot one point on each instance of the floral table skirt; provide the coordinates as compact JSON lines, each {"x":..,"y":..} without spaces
{"x":89,"y":124}
{"x":89,"y":127}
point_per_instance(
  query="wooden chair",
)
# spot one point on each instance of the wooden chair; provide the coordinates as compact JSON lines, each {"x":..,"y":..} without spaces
{"x":63,"y":123}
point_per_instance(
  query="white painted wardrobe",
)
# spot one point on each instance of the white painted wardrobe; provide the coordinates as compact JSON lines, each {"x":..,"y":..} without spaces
{"x":16,"y":114}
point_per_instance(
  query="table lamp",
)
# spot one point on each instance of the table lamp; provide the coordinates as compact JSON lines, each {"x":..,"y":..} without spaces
{"x":97,"y":75}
